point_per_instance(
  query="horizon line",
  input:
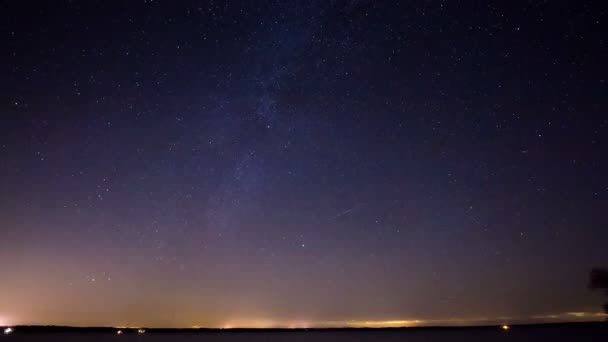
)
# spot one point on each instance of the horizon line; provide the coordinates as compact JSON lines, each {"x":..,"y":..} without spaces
{"x":522,"y":324}
{"x":562,"y":318}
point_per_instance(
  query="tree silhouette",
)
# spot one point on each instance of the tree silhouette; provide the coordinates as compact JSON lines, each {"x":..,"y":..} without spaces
{"x":599,"y":281}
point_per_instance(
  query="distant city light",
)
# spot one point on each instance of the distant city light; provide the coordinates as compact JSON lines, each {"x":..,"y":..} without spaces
{"x":141,"y":331}
{"x":119,"y":332}
{"x":8,"y":331}
{"x":505,"y":327}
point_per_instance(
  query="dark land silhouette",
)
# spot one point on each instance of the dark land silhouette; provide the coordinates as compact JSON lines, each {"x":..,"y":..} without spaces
{"x":599,"y":281}
{"x":590,"y":331}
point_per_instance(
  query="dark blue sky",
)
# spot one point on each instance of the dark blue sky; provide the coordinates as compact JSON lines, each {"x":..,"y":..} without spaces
{"x":252,"y":163}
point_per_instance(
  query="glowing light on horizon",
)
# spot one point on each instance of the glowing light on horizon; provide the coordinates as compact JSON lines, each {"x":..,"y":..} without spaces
{"x":385,"y":324}
{"x":502,"y":322}
{"x":577,"y":314}
{"x":299,"y":325}
{"x":569,"y":316}
{"x":253,"y":323}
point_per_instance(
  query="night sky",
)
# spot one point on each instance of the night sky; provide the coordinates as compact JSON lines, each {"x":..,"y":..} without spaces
{"x":301,"y":164}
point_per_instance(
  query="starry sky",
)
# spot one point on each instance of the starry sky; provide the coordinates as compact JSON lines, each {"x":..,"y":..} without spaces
{"x":302,"y":163}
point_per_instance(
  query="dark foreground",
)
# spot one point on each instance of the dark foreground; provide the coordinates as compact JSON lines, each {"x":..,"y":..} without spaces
{"x":561,"y":332}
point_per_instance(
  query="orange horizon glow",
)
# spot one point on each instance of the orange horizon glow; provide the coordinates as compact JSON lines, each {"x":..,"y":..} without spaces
{"x":502,"y":322}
